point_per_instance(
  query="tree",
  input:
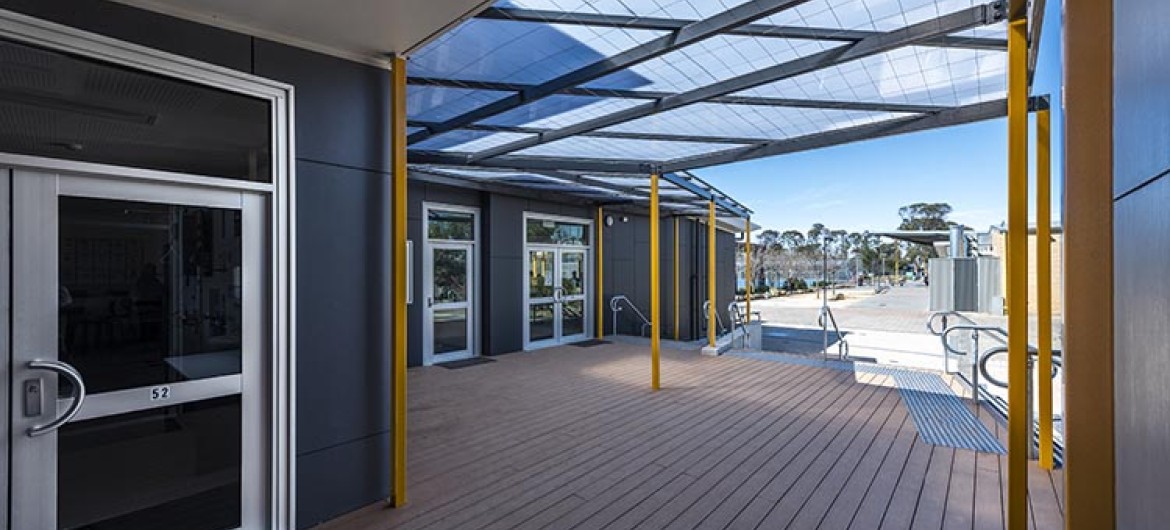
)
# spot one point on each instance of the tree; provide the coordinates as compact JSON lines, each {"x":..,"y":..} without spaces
{"x":925,"y":216}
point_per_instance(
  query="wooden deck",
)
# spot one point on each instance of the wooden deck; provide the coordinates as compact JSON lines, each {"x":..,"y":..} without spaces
{"x":572,"y":438}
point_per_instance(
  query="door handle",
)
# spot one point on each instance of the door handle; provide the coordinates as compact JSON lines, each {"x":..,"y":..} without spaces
{"x":68,"y":372}
{"x":430,"y":302}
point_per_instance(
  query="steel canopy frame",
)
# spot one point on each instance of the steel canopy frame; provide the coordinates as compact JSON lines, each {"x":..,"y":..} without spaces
{"x":747,"y":30}
{"x":976,"y":16}
{"x":591,"y":172}
{"x":677,"y":39}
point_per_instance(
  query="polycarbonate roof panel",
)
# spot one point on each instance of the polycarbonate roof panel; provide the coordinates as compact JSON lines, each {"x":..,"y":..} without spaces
{"x":676,"y":9}
{"x":715,"y":59}
{"x":432,"y":103}
{"x":561,"y":111}
{"x":468,"y":141}
{"x":913,"y":75}
{"x":649,"y":150}
{"x":873,"y":15}
{"x":750,"y":121}
{"x":520,"y":52}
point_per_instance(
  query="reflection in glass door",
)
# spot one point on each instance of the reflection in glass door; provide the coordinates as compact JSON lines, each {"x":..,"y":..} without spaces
{"x":137,"y":356}
{"x":557,"y":291}
{"x":449,"y":283}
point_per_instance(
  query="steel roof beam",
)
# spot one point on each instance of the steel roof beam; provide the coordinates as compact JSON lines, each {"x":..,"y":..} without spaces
{"x":748,"y":30}
{"x":621,"y":135}
{"x":757,"y":101}
{"x":972,"y":17}
{"x":954,"y":116}
{"x":679,"y":38}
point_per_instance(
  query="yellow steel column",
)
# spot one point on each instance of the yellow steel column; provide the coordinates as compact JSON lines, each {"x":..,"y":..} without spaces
{"x":600,"y":279}
{"x":676,"y":302}
{"x":1044,"y":279}
{"x":398,"y":158}
{"x":1017,"y":277}
{"x":711,"y":273}
{"x":655,"y":285}
{"x":747,"y":266}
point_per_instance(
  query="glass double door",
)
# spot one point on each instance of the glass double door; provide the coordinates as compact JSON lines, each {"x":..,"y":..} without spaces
{"x":557,"y":291}
{"x":137,"y":353}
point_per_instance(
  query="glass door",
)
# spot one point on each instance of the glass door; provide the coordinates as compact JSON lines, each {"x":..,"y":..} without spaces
{"x":138,"y":355}
{"x":542,"y":307}
{"x":572,"y":272}
{"x":449,"y":302}
{"x":557,"y":295}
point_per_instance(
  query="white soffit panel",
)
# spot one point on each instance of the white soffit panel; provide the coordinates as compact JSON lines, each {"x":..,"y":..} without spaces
{"x":364,"y":30}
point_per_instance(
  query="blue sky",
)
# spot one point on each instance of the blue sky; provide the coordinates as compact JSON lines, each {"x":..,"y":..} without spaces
{"x":860,"y":186}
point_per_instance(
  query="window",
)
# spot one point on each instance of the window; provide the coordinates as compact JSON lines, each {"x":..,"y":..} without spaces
{"x":443,"y":225}
{"x":557,"y":232}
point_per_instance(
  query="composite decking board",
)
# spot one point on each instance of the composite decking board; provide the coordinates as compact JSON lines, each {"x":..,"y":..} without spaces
{"x":988,"y":502}
{"x":785,"y":475}
{"x":550,"y":420}
{"x":904,"y":501}
{"x":539,"y":479}
{"x":931,"y":506}
{"x":846,"y":501}
{"x":607,"y":479}
{"x":711,"y":486}
{"x":554,"y":440}
{"x":796,"y":507}
{"x":717,"y":498}
{"x":615,"y":414}
{"x":880,"y":491}
{"x":960,"y":502}
{"x":547,"y":479}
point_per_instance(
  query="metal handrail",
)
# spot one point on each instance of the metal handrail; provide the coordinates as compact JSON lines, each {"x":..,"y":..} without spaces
{"x":979,"y":359}
{"x":718,"y":319}
{"x":1033,"y":355}
{"x":842,"y":344}
{"x":615,"y":307}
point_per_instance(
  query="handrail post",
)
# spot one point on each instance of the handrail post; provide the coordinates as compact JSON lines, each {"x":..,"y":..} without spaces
{"x":1044,"y":280}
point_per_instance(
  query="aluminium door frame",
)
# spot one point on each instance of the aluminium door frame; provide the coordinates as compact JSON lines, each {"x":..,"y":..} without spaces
{"x":473,"y":293}
{"x":279,"y":252}
{"x":36,"y":195}
{"x":528,"y":345}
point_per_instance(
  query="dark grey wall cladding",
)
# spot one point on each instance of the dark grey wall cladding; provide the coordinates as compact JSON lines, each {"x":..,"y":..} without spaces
{"x":342,"y":216}
{"x":417,"y":193}
{"x":627,"y":271}
{"x":1141,"y":231}
{"x":1141,"y":106}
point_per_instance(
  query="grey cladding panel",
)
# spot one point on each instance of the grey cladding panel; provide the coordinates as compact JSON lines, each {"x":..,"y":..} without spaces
{"x":342,"y":337}
{"x":343,"y":478}
{"x":1141,"y":100}
{"x":342,"y":107}
{"x":1141,"y":356}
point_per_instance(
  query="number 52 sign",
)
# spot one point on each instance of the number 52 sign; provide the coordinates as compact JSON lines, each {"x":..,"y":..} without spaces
{"x":160,"y":393}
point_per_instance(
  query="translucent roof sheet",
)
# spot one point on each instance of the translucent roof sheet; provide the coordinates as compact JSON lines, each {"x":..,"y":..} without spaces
{"x":520,"y":52}
{"x":561,"y":111}
{"x":631,"y":86}
{"x":744,"y":121}
{"x":589,"y":147}
{"x":432,"y":103}
{"x":877,"y":15}
{"x":463,"y":140}
{"x":914,"y":75}
{"x":677,"y":9}
{"x":715,"y":59}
